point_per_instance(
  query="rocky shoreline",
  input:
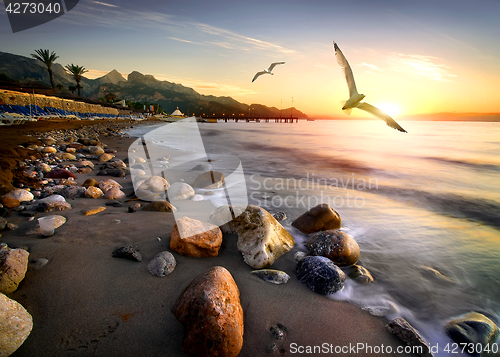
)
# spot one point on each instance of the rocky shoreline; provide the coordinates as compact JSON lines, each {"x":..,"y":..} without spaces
{"x":225,"y":287}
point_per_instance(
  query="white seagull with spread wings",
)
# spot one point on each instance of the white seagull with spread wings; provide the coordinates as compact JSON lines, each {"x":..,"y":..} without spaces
{"x":267,"y":71}
{"x":355,"y":100}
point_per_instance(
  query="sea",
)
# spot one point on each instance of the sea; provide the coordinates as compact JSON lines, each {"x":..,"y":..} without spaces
{"x":423,"y":206}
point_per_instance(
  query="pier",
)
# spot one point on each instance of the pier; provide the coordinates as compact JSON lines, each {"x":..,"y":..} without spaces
{"x":247,"y":119}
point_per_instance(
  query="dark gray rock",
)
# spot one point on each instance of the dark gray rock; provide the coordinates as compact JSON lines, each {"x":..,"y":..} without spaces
{"x":162,"y":264}
{"x":127,"y":252}
{"x":320,"y":275}
{"x":3,"y":212}
{"x":472,"y":328}
{"x":405,"y":332}
{"x":71,"y":192}
{"x":37,"y":263}
{"x":112,"y":172}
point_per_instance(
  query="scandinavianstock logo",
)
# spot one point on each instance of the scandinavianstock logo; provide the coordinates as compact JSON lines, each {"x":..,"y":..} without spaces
{"x":173,"y":157}
{"x":26,"y":14}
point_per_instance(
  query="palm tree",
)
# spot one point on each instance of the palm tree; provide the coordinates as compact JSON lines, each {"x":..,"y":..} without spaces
{"x":48,"y":59}
{"x":76,"y":72}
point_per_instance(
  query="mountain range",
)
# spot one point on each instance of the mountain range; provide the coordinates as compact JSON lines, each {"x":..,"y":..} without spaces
{"x":137,"y":87}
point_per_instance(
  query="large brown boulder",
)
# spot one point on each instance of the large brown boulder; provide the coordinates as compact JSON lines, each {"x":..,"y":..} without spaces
{"x":336,"y":245}
{"x":211,"y":313}
{"x":194,"y":238}
{"x":13,"y":267}
{"x":319,"y":218}
{"x":15,"y":325}
{"x":261,"y":238}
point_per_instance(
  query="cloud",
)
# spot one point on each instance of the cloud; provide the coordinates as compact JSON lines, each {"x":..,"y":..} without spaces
{"x":371,"y":66}
{"x":421,"y":66}
{"x":186,"y":41}
{"x":103,"y":3}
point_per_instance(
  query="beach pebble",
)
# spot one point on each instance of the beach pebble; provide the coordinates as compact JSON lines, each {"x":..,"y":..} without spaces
{"x":96,"y":150}
{"x":108,"y":184}
{"x":160,"y":206}
{"x":53,"y":198}
{"x":278,"y":331}
{"x":298,"y":256}
{"x":43,"y":167}
{"x":402,"y":329}
{"x":261,"y":239}
{"x":92,"y":211}
{"x":209,"y":180}
{"x":359,"y":274}
{"x":4,"y":211}
{"x":139,"y":159}
{"x":14,"y":264}
{"x":48,"y":150}
{"x":112,"y":172}
{"x":11,"y":226}
{"x":84,"y":170}
{"x":20,"y":194}
{"x":105,"y":157}
{"x":3,"y":223}
{"x":162,"y":264}
{"x":72,"y":192}
{"x":68,"y":156}
{"x":114,"y":193}
{"x":320,"y":275}
{"x":35,"y":264}
{"x":279,"y":216}
{"x":93,"y":192}
{"x":52,"y":206}
{"x":319,"y":218}
{"x":272,"y":276}
{"x":90,"y":182}
{"x":194,"y":238}
{"x":197,"y":197}
{"x":336,"y":245}
{"x":472,"y":328}
{"x":60,"y":174}
{"x":155,"y":184}
{"x":15,"y":325}
{"x":10,"y":202}
{"x":48,"y":141}
{"x":137,"y":172}
{"x":76,"y":146}
{"x":71,"y":150}
{"x":212,"y":316}
{"x":85,"y":163}
{"x":118,"y":164}
{"x":114,"y":203}
{"x":89,"y":142}
{"x":180,"y":191}
{"x":134,"y":207}
{"x":127,"y":252}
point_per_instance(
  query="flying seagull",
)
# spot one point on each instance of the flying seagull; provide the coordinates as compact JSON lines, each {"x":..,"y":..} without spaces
{"x":355,"y":100}
{"x":267,"y":71}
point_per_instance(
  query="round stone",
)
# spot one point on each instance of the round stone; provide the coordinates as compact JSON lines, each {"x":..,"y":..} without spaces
{"x":320,"y":275}
{"x":336,"y":245}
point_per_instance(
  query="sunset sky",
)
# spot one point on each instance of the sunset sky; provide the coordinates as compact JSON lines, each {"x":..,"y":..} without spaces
{"x":408,"y":57}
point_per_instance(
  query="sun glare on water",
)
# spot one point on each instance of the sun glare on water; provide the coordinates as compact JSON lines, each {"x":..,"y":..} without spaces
{"x":389,"y":108}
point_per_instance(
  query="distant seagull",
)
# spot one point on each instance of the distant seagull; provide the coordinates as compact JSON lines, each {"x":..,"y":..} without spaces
{"x":355,"y":100}
{"x":267,"y":71}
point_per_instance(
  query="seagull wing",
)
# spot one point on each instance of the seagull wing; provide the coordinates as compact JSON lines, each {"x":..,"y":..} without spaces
{"x":342,"y":61}
{"x":258,"y":74}
{"x":381,"y":115}
{"x":274,"y":65}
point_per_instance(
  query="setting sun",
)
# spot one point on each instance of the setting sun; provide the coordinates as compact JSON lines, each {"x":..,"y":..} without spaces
{"x":389,"y":108}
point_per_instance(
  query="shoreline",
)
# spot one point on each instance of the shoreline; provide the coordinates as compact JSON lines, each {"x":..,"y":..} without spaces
{"x":85,"y":302}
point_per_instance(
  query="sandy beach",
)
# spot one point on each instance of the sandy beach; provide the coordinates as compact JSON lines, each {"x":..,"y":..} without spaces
{"x":84,"y":302}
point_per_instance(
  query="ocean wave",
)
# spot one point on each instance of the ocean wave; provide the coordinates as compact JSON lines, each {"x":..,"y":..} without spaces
{"x":467,"y":163}
{"x":475,"y":209}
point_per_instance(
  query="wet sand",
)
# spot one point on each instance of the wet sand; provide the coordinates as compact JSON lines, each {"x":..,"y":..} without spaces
{"x":84,"y":302}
